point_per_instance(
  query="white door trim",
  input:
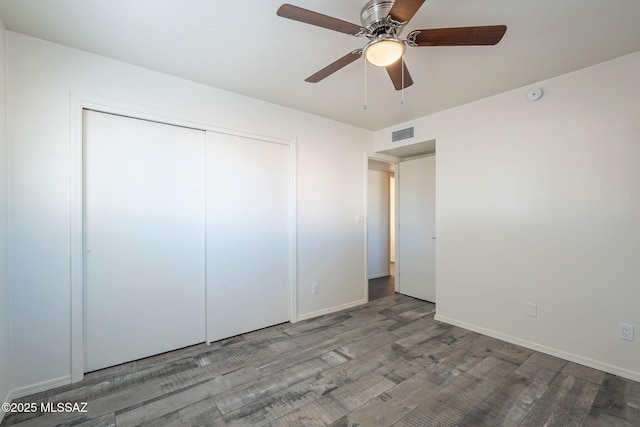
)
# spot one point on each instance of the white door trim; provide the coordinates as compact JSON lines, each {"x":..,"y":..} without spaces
{"x":82,"y":101}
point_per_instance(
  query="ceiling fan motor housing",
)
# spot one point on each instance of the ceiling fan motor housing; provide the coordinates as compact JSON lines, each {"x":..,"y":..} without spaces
{"x":374,"y":16}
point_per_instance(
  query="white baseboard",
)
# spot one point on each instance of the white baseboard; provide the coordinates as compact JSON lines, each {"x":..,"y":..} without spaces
{"x":377,"y":275}
{"x":38,"y":387}
{"x":595,"y":364}
{"x":330,"y":310}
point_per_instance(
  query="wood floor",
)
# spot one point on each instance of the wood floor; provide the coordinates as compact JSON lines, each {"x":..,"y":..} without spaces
{"x":383,"y":286}
{"x":385,"y":363}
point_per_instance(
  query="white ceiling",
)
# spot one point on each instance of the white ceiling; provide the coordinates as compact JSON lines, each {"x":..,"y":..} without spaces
{"x":243,"y":47}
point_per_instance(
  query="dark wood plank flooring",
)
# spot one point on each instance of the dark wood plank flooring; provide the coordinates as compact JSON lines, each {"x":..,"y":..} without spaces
{"x":382,"y":364}
{"x":382,"y":286}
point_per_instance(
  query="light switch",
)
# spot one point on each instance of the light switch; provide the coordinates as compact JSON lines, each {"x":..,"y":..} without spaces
{"x":532,"y":309}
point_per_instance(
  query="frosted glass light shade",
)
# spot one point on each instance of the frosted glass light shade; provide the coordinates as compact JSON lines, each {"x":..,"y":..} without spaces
{"x":383,"y":52}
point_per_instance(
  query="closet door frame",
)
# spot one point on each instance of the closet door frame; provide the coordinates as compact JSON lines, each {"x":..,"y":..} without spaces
{"x":79,"y":103}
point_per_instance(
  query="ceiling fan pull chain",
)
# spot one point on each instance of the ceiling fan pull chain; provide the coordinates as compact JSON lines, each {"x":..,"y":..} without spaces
{"x":365,"y":106}
{"x":402,"y":63}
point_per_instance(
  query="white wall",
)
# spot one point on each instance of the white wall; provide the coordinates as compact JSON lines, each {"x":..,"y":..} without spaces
{"x":378,"y":223}
{"x":539,"y":202}
{"x":41,"y":76}
{"x":5,"y":385}
{"x":392,"y":218}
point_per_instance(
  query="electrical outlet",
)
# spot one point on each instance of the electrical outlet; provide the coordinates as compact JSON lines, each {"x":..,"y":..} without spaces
{"x":532,"y":309}
{"x":315,"y":288}
{"x":626,"y":332}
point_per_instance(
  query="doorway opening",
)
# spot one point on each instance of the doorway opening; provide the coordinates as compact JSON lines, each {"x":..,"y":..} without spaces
{"x":412,"y":224}
{"x":381,"y":227}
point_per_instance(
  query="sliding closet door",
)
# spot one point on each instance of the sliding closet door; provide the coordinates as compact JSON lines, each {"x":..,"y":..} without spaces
{"x":144,"y":238}
{"x":248,"y":234}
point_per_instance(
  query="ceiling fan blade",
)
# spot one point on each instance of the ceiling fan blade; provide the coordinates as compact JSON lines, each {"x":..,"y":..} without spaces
{"x":314,"y":18}
{"x":395,"y":71}
{"x":403,"y":10}
{"x":461,"y":36}
{"x":334,"y":66}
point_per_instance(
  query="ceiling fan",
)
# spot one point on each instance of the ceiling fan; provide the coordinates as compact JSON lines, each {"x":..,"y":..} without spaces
{"x":382,"y":23}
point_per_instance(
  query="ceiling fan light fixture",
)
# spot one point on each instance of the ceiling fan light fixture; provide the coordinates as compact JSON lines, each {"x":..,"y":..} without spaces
{"x":384,"y":51}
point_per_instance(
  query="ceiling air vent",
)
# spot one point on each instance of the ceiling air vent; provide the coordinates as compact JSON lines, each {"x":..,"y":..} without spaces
{"x":402,"y":134}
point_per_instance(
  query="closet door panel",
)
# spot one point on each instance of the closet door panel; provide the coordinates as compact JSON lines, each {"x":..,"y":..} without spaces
{"x":144,"y":238}
{"x":248,"y":234}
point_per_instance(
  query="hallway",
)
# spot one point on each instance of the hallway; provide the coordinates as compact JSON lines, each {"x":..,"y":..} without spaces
{"x":383,"y":286}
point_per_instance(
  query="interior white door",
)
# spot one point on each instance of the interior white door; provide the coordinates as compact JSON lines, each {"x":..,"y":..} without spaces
{"x":416,"y":237}
{"x":248,"y":234}
{"x":144,"y":238}
{"x":378,"y":224}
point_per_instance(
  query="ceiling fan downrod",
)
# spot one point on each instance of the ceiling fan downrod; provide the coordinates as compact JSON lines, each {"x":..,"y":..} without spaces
{"x":377,"y":21}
